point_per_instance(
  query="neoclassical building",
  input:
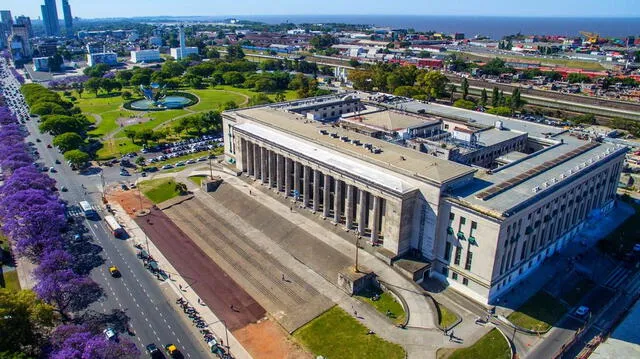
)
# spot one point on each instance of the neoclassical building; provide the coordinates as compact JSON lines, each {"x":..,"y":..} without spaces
{"x":479,"y":229}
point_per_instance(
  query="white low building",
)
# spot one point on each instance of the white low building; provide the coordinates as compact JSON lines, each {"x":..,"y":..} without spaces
{"x":178,"y":52}
{"x":145,"y":56}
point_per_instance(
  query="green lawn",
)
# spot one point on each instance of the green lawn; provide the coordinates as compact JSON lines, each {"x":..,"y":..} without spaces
{"x":447,"y":317}
{"x":491,"y":346}
{"x":197,"y":179}
{"x":335,"y":334}
{"x":157,"y":118}
{"x":159,"y":190}
{"x":288,"y":94}
{"x":213,"y":99}
{"x":10,"y":281}
{"x":117,"y":147}
{"x":573,"y":295}
{"x":540,"y":312}
{"x":585,"y":65}
{"x":90,"y":104}
{"x":385,"y":303}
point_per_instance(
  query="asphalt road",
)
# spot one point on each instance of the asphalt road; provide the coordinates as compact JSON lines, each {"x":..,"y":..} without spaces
{"x":152,"y":317}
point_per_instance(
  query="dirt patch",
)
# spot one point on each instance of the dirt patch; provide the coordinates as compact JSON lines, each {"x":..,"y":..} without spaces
{"x":129,"y":200}
{"x":267,"y":339}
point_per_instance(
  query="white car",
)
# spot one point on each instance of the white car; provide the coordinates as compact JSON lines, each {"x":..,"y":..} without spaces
{"x":110,"y":334}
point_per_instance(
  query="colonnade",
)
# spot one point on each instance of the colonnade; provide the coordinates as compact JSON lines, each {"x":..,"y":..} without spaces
{"x":316,"y":190}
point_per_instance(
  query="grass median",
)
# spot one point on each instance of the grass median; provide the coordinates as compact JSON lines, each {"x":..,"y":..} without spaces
{"x":336,"y":334}
{"x":159,"y":190}
{"x":447,"y":317}
{"x":386,"y":304}
{"x":539,"y":313}
{"x":491,"y":346}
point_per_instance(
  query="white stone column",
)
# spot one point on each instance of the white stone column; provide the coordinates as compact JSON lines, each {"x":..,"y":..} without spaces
{"x":280,"y":170}
{"x":316,"y":190}
{"x":272,"y":169}
{"x":337,"y":201}
{"x":287,"y":177}
{"x":256,"y":161}
{"x":326,"y":192}
{"x":375,"y":218}
{"x":306,"y":184}
{"x":362,"y":209}
{"x":264,"y":163}
{"x":249,"y":154}
{"x":348,"y":208}
{"x":296,"y":177}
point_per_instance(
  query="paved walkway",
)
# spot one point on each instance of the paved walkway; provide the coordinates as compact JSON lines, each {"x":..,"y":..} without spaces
{"x":420,"y":341}
{"x":215,"y":325}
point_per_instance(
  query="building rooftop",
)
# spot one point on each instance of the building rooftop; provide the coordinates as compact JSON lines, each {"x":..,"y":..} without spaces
{"x":392,"y":157}
{"x":532,"y":128}
{"x":390,"y":120}
{"x":494,"y":136}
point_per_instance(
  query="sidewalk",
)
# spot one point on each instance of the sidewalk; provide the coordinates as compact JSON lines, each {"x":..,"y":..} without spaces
{"x":216,"y":326}
{"x":420,"y":341}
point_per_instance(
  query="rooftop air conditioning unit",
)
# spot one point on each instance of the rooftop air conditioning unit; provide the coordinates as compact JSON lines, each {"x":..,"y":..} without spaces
{"x":535,"y":189}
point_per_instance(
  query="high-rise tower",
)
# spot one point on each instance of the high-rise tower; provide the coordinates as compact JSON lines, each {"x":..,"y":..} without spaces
{"x":50,"y":18}
{"x":68,"y":19}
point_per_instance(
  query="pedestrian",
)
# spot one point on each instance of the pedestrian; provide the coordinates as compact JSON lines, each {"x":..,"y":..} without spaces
{"x":388,"y":313}
{"x":180,"y":286}
{"x":291,"y":207}
{"x":283,"y":277}
{"x":250,"y":192}
{"x":355,"y":313}
{"x":451,"y":336}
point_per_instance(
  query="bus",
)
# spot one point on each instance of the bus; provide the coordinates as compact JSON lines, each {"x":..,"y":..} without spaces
{"x":88,"y":210}
{"x":114,"y":226}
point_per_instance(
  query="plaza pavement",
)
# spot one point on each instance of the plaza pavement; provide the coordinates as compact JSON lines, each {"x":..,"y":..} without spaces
{"x":421,"y":339}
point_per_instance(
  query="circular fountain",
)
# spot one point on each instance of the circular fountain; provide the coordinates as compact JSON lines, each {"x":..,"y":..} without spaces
{"x":155,"y":98}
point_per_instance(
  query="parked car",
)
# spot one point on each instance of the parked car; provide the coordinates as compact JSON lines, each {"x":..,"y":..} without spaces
{"x":110,"y":334}
{"x":114,"y":271}
{"x":167,"y":166}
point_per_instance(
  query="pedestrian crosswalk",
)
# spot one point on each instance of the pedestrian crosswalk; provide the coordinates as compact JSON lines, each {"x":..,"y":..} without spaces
{"x":617,"y":277}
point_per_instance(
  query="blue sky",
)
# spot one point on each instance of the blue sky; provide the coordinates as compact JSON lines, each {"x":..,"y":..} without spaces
{"x":130,"y":8}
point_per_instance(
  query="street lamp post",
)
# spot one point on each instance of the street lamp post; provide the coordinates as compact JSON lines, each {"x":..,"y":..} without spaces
{"x":226,"y":332}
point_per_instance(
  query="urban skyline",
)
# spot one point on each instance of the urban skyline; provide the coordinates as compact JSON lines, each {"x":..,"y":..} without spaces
{"x":543,"y":8}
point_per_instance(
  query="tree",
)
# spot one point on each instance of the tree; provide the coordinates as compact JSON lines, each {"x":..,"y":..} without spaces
{"x":234,"y":52}
{"x":259,"y":99}
{"x":93,"y":84}
{"x":500,"y":111}
{"x":578,"y":78}
{"x":466,"y":104}
{"x":67,"y":291}
{"x":172,"y":69}
{"x":130,"y":133}
{"x":140,"y":161}
{"x":353,"y":62}
{"x":79,"y":342}
{"x":321,"y":42}
{"x":433,"y":83}
{"x":126,"y":95}
{"x":465,"y":88}
{"x":68,"y":141}
{"x":424,"y":54}
{"x":145,"y":135}
{"x":230,"y":105}
{"x":58,"y":124}
{"x":452,"y":91}
{"x":76,"y":157}
{"x":25,"y":319}
{"x":483,"y":98}
{"x":495,"y":97}
{"x":516,"y":101}
{"x":280,"y":97}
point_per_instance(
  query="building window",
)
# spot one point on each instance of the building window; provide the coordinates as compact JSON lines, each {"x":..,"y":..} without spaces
{"x":456,"y":260}
{"x":445,"y":271}
{"x":465,"y":281}
{"x":454,"y":275}
{"x":467,"y":264}
{"x":474,"y":226}
{"x":447,"y":251}
{"x":463,"y":221}
{"x":452,"y":216}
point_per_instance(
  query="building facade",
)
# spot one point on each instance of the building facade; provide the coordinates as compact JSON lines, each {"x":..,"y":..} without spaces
{"x":479,"y":230}
{"x":145,"y":56}
{"x":109,"y":58}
